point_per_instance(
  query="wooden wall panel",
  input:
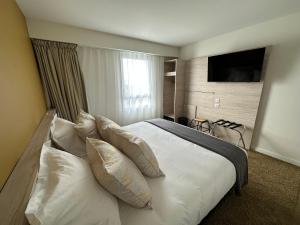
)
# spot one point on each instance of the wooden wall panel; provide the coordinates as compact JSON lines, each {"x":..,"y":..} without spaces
{"x":239,"y":102}
{"x":16,"y":192}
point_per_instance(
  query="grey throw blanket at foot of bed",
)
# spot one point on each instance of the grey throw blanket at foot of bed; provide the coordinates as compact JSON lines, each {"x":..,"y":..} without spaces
{"x":231,"y":152}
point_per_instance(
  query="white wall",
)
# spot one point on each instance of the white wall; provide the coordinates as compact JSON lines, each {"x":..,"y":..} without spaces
{"x":277,"y":130}
{"x":85,"y":37}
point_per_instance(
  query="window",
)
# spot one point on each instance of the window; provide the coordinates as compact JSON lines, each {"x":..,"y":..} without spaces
{"x":125,"y":86}
{"x":136,"y":83}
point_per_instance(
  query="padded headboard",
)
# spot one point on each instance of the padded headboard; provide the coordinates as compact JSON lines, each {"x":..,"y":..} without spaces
{"x":16,"y":191}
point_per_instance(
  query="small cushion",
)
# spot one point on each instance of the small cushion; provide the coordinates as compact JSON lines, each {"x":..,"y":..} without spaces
{"x":102,"y":123}
{"x":64,"y":137}
{"x":86,"y":126}
{"x":118,"y":174}
{"x":66,"y":192}
{"x":136,"y":149}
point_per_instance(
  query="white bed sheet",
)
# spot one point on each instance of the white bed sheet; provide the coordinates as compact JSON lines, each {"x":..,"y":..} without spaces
{"x":196,"y":180}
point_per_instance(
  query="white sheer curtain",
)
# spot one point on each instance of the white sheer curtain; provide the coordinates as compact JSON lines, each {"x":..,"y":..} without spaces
{"x":124,"y":86}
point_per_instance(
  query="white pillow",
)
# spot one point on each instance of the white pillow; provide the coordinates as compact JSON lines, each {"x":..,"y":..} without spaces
{"x":86,"y":126}
{"x":66,"y":192}
{"x":102,"y":123}
{"x":136,"y":149}
{"x":118,"y":174}
{"x":64,"y":137}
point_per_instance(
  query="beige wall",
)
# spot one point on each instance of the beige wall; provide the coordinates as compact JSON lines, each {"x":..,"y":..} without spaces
{"x":21,"y":98}
{"x":277,"y":127}
{"x":85,"y":37}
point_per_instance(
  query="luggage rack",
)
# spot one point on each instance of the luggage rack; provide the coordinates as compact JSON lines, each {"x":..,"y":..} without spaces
{"x":230,"y":125}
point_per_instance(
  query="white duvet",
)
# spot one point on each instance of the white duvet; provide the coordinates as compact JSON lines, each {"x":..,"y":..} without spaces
{"x":196,"y":180}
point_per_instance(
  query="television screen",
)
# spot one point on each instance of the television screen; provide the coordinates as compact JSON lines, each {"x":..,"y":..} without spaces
{"x":242,"y":66}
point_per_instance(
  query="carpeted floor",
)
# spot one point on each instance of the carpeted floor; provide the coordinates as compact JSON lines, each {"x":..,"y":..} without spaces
{"x":272,"y":196}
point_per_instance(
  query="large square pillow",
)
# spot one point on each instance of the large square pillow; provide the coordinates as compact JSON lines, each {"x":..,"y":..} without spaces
{"x":118,"y":174}
{"x":86,"y":126}
{"x":64,"y":137}
{"x":67,"y":192}
{"x":102,"y":123}
{"x":135,"y":148}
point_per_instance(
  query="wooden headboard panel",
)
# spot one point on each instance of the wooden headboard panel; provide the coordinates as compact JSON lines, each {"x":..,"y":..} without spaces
{"x":238,"y":102}
{"x":16,"y":191}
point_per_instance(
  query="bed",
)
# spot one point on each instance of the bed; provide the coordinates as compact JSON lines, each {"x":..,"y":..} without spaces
{"x":195,"y":180}
{"x":193,"y":184}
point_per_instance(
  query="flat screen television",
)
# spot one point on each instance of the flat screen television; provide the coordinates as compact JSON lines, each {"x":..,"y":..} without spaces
{"x":244,"y":66}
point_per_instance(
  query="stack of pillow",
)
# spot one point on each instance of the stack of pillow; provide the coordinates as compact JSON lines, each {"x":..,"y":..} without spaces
{"x":67,"y":192}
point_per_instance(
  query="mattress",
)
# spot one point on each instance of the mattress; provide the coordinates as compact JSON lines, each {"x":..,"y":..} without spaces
{"x":195,"y":180}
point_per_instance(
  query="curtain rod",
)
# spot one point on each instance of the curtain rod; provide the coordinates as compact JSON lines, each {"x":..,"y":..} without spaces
{"x":124,"y":50}
{"x":54,"y":41}
{"x":114,"y":49}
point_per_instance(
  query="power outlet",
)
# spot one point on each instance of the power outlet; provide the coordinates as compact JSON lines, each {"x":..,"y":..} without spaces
{"x":217,"y":102}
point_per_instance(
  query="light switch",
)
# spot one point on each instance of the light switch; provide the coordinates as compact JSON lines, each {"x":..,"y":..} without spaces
{"x":217,"y":100}
{"x":217,"y":105}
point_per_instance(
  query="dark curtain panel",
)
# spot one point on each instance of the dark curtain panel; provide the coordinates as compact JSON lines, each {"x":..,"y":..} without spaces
{"x":61,"y":77}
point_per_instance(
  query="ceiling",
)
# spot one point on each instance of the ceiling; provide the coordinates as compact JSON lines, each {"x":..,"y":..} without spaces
{"x":171,"y":22}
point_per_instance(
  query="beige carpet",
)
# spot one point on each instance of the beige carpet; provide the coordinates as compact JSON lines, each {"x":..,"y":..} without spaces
{"x":272,"y":196}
